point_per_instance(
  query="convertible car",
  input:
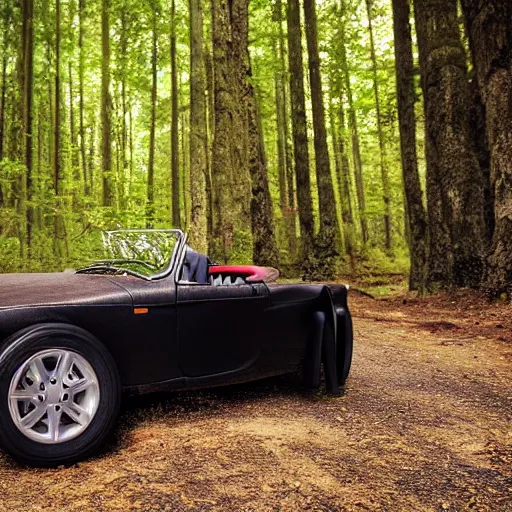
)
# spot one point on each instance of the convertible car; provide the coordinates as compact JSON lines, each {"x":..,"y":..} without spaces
{"x":155,"y":314}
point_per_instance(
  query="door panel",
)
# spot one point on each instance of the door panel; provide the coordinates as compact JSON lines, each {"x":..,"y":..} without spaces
{"x":220,"y":328}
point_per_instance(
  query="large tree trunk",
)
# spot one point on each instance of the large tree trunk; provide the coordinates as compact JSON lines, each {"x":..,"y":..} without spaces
{"x":454,"y":177}
{"x":354,"y":130}
{"x":489,"y":27}
{"x":300,"y":133}
{"x":198,"y":131}
{"x":175,"y":156}
{"x":150,"y":204}
{"x":416,"y":215}
{"x":386,"y":192}
{"x":327,"y":241}
{"x":265,"y":251}
{"x":106,"y":108}
{"x":230,"y":170}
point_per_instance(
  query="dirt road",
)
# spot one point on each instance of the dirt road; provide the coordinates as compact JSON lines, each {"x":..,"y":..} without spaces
{"x":425,"y":424}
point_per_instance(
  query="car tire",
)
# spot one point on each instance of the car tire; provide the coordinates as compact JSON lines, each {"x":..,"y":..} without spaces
{"x":344,"y":349}
{"x":90,"y":367}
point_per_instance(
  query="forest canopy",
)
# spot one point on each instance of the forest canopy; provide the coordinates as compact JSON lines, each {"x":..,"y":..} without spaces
{"x":320,"y":136}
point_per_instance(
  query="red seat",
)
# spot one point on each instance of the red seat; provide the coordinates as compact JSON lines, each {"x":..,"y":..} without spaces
{"x":250,"y":273}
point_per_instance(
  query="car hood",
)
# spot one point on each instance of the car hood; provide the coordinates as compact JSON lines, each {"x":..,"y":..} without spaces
{"x":65,"y":288}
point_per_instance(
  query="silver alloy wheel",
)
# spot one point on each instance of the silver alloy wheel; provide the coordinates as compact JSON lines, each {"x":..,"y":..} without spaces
{"x":54,"y":396}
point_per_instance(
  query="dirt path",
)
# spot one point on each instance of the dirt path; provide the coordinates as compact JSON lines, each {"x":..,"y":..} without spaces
{"x":425,"y":424}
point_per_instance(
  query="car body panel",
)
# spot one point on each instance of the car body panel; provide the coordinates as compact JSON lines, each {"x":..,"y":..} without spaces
{"x":164,"y":332}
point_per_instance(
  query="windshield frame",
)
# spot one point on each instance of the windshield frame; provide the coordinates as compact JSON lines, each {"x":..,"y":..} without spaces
{"x":169,"y":270}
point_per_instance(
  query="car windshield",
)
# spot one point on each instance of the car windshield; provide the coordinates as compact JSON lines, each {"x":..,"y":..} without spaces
{"x":143,"y":253}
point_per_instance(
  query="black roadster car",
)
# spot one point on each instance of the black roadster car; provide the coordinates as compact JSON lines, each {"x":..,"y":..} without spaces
{"x":155,"y":314}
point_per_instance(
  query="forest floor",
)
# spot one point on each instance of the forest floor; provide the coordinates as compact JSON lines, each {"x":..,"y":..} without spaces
{"x":425,"y":423}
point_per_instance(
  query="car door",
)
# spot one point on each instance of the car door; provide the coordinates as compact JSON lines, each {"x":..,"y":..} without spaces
{"x":220,"y":328}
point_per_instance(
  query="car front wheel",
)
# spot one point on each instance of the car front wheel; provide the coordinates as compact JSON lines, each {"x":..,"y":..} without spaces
{"x":59,"y":395}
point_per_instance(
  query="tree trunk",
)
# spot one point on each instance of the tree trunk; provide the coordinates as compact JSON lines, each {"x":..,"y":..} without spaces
{"x":300,"y":133}
{"x":230,"y":170}
{"x":384,"y":171}
{"x":92,"y":156}
{"x":327,"y":242}
{"x":3,"y":91}
{"x":288,"y":202}
{"x":265,"y":251}
{"x":185,"y":174}
{"x":57,"y":170}
{"x":415,"y":211}
{"x":479,"y":133}
{"x":124,"y":108}
{"x":150,"y":207}
{"x":489,"y":27}
{"x":106,"y":108}
{"x":3,"y":94}
{"x":454,"y":178}
{"x":337,"y":118}
{"x":209,"y":148}
{"x":354,"y":131}
{"x":175,"y":156}
{"x":198,"y":131}
{"x":281,"y":152}
{"x":60,"y":242}
{"x":81,"y":70}
{"x":28,"y":71}
{"x":130,"y":143}
{"x":75,"y":161}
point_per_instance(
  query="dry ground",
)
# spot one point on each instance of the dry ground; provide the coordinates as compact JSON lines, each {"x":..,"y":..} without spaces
{"x":424,"y":424}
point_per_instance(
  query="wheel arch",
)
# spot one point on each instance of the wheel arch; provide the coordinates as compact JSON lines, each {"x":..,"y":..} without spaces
{"x":9,"y":343}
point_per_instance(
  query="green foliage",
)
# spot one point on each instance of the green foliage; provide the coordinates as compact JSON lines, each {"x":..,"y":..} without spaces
{"x":82,"y":213}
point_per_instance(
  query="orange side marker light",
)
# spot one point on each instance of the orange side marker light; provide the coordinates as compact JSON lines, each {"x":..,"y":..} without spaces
{"x":140,"y":311}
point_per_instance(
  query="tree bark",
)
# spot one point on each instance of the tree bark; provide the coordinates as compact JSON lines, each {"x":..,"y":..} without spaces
{"x":454,"y":177}
{"x":57,"y":171}
{"x":60,"y":242}
{"x":210,"y":116}
{"x":106,"y":108}
{"x":416,"y":215}
{"x":75,"y":160}
{"x":489,"y":25}
{"x":386,"y":192}
{"x":354,"y":130}
{"x":265,"y":251}
{"x":81,"y":73}
{"x":300,"y":134}
{"x":281,"y":152}
{"x":25,"y":186}
{"x":150,"y":205}
{"x":125,"y":178}
{"x":286,"y":173}
{"x":3,"y":97}
{"x":327,"y":241}
{"x":175,"y":156}
{"x":230,"y":170}
{"x":337,"y":121}
{"x":198,"y":131}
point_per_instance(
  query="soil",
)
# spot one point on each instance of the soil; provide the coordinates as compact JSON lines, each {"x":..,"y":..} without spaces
{"x":424,"y":424}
